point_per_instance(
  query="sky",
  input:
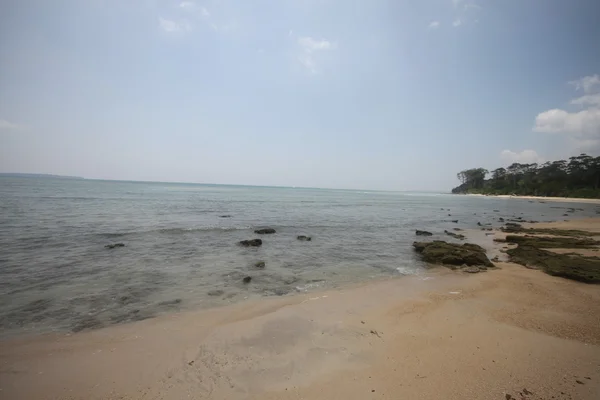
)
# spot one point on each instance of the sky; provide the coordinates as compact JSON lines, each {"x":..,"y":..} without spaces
{"x":360,"y":94}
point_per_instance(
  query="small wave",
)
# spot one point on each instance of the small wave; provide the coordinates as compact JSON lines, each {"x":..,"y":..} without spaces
{"x":310,"y":286}
{"x":175,"y":231}
{"x":406,"y":270}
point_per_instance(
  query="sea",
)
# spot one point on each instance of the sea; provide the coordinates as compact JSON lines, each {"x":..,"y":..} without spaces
{"x":181,"y":244}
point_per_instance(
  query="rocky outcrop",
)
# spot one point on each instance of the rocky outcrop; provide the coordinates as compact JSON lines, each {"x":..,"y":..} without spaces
{"x":423,"y":233}
{"x":512,"y":227}
{"x":265,"y":231}
{"x":114,"y":245}
{"x":251,"y":243}
{"x":570,"y":266}
{"x":304,"y":238}
{"x":453,"y":255}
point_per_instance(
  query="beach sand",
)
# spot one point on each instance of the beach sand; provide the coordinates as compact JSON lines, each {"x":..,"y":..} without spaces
{"x":509,"y":333}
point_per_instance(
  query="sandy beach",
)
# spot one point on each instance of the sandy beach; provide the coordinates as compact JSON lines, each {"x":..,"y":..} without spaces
{"x":509,"y":333}
{"x":540,"y":198}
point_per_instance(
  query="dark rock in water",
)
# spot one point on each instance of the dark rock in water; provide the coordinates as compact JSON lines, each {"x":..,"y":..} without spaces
{"x":265,"y":231}
{"x":500,"y":219}
{"x":170,"y":302}
{"x":495,"y":259}
{"x":512,"y":227}
{"x":449,"y":215}
{"x":565,"y":215}
{"x":455,"y":235}
{"x":454,"y":255}
{"x":224,"y":216}
{"x":251,"y":243}
{"x":247,"y":279}
{"x":456,"y":229}
{"x":455,"y":221}
{"x":478,"y":223}
{"x":304,"y":238}
{"x":423,"y":233}
{"x":552,"y":242}
{"x":496,"y":210}
{"x":260,"y":264}
{"x":130,"y":316}
{"x":86,"y":323}
{"x":217,"y":292}
{"x":114,"y":245}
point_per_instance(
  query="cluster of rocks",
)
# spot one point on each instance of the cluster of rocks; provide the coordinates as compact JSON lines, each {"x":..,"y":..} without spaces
{"x":468,"y":257}
{"x":259,"y":242}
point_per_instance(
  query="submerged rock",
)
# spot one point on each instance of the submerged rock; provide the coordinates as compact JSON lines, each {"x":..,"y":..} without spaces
{"x":455,"y":235}
{"x":260,"y":264}
{"x":114,"y":245}
{"x":512,"y":227}
{"x":304,"y":238}
{"x":265,"y":231}
{"x":217,"y":292}
{"x":552,"y":242}
{"x":251,"y":243}
{"x":501,"y":219}
{"x":455,"y":221}
{"x":224,"y":216}
{"x":247,"y":279}
{"x":454,"y":255}
{"x":423,"y":233}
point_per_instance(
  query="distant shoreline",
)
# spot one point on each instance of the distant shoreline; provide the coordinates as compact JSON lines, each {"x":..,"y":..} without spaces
{"x":556,"y":199}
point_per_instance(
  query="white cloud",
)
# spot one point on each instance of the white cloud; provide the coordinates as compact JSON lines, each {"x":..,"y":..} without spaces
{"x":582,"y":123}
{"x":171,"y":26}
{"x":581,"y":126}
{"x":587,"y":83}
{"x":309,"y":47}
{"x":457,"y":22}
{"x":309,"y":44}
{"x":523,"y":157}
{"x":188,"y":5}
{"x":587,"y":100}
{"x":9,"y":126}
{"x":434,"y":25}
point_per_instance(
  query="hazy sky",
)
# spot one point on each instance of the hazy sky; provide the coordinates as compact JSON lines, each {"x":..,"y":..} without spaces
{"x":324,"y":93}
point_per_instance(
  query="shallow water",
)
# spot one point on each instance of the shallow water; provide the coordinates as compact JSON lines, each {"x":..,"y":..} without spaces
{"x":56,"y":274}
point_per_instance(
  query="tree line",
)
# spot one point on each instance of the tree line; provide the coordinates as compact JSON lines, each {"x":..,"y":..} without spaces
{"x":577,"y":177}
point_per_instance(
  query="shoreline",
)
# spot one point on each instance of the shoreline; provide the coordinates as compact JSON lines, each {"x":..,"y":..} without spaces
{"x":509,"y":331}
{"x":541,"y":198}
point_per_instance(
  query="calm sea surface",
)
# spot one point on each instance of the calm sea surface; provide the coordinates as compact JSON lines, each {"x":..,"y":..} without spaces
{"x":57,"y":275}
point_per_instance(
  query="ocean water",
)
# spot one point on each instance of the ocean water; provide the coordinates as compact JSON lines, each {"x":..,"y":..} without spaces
{"x":180,"y":253}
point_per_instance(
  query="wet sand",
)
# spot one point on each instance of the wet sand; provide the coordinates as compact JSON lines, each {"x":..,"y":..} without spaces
{"x":506,"y":332}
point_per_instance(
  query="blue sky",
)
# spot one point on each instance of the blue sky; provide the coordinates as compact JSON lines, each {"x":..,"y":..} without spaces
{"x":373,"y":94}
